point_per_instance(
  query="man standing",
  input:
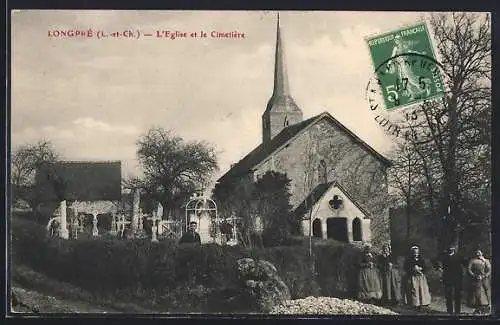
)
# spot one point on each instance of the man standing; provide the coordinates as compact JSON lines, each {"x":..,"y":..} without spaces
{"x":191,"y":236}
{"x":451,"y":266}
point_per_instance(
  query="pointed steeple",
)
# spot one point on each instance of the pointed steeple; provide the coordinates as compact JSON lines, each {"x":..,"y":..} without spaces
{"x":281,"y":110}
{"x":281,"y":87}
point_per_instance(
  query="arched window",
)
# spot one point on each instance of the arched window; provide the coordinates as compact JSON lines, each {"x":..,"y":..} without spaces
{"x":356,"y":230}
{"x":322,"y":174}
{"x":317,"y":230}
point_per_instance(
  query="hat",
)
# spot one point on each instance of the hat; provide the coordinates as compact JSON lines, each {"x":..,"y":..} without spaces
{"x":192,"y":221}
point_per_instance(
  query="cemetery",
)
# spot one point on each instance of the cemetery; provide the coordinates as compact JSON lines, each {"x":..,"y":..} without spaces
{"x":86,"y":213}
{"x":69,"y":219}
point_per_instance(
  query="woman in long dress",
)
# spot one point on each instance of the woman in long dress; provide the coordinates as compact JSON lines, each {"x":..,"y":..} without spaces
{"x":479,"y":270}
{"x":369,"y":279}
{"x":417,"y":289}
{"x":390,"y":277}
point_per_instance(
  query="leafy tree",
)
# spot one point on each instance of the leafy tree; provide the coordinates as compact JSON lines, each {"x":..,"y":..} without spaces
{"x":235,"y":199}
{"x":268,"y":199}
{"x":272,"y":197}
{"x":173,"y":169}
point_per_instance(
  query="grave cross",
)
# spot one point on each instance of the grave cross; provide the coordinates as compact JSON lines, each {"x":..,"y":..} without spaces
{"x":154,"y":228}
{"x":121,"y":224}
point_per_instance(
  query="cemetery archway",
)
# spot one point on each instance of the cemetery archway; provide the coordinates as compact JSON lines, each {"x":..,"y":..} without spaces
{"x":203,"y":210}
{"x":356,"y":230}
{"x":317,"y":230}
{"x":336,"y":228}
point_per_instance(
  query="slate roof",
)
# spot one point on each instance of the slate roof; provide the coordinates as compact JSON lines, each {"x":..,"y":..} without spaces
{"x":264,"y":150}
{"x":317,"y":194}
{"x":84,"y":180}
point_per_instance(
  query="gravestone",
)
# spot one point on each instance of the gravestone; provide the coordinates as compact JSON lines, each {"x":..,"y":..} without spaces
{"x":63,"y":231}
{"x":135,"y":211}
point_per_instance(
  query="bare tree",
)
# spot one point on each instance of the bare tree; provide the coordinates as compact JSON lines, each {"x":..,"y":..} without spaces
{"x":452,"y":146}
{"x":26,"y":160}
{"x":404,"y":177}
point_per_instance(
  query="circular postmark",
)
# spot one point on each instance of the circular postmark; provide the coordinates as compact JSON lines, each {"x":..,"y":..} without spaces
{"x":402,"y":88}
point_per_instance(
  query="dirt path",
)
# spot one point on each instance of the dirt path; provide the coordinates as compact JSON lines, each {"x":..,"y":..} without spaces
{"x":29,"y":301}
{"x":437,"y":307}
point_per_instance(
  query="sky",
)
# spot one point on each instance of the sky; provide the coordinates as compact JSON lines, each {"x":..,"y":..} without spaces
{"x":94,"y":97}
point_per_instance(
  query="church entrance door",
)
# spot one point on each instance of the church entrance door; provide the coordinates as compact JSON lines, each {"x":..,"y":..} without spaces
{"x":336,"y":228}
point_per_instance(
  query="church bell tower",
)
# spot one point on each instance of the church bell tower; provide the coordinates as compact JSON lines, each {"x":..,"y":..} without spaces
{"x":281,"y":110}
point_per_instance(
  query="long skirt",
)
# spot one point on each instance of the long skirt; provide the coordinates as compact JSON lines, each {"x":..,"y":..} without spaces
{"x":369,"y":284}
{"x":391,"y":285}
{"x":417,"y":291}
{"x":479,"y":294}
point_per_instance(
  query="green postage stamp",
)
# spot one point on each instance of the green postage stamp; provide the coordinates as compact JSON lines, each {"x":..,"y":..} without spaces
{"x":406,"y":66}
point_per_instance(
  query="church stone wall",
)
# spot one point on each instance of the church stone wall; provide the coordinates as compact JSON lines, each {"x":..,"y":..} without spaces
{"x":347,"y":162}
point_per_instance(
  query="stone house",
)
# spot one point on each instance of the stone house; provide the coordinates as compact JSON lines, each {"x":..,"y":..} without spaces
{"x":91,"y":188}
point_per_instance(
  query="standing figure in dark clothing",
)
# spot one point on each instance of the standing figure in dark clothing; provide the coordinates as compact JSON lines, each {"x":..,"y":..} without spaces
{"x":390,"y":277}
{"x":417,"y":289}
{"x":452,"y":267}
{"x":369,"y":278}
{"x":191,"y":236}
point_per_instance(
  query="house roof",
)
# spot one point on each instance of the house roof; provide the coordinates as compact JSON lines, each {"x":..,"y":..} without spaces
{"x":318,"y":193}
{"x":264,"y":150}
{"x":83,"y":180}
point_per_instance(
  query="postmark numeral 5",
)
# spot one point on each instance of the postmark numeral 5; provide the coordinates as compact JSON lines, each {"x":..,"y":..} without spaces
{"x":392,"y":94}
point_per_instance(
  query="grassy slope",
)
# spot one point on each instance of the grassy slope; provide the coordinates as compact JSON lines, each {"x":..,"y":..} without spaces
{"x":36,"y":290}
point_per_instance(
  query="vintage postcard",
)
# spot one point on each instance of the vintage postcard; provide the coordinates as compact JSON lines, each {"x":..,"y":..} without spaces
{"x":250,"y":162}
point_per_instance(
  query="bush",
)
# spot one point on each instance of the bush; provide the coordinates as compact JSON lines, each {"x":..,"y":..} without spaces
{"x":336,"y":265}
{"x":178,"y":277}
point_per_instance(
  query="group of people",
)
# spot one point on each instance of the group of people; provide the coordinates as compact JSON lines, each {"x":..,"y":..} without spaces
{"x":381,"y":281}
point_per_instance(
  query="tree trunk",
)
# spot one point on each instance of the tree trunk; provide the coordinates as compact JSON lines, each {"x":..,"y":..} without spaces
{"x":408,"y":209}
{"x":451,"y":179}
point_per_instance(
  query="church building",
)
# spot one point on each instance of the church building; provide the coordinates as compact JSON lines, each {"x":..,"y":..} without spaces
{"x":338,"y":182}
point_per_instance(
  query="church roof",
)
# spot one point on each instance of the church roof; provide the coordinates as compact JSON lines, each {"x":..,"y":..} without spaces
{"x":317,"y":194}
{"x":265,"y":149}
{"x":83,"y":180}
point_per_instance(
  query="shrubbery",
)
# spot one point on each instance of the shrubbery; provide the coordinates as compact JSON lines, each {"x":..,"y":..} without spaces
{"x":174,"y":277}
{"x":180,"y":278}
